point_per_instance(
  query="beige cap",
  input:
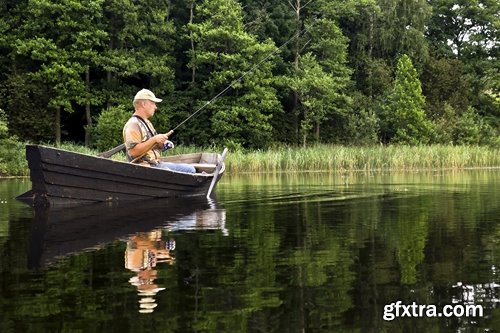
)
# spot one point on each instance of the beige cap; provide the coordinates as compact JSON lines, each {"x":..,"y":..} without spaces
{"x":146,"y":94}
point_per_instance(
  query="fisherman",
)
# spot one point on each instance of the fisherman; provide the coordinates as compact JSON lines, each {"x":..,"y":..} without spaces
{"x":141,"y":140}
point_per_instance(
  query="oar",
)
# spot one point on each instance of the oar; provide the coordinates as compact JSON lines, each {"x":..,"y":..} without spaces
{"x":111,"y":152}
{"x":216,"y":172}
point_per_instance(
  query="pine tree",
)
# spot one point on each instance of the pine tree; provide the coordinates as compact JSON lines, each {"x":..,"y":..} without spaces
{"x":404,"y":113}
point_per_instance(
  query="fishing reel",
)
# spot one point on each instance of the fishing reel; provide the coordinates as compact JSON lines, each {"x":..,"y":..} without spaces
{"x":168,"y":145}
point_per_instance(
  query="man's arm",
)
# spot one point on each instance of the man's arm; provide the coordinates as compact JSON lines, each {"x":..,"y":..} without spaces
{"x":143,"y":147}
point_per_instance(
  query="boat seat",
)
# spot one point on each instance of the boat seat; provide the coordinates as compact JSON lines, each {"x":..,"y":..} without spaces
{"x":209,"y":158}
{"x":200,"y":167}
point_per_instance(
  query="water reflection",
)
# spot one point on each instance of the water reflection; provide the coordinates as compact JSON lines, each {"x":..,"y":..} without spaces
{"x":295,"y":253}
{"x":144,"y":251}
{"x":147,"y":228}
{"x":147,"y":249}
{"x":59,"y":232}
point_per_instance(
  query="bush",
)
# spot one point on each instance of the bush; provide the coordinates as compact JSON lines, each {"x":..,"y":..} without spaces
{"x":12,"y":158}
{"x":4,"y":128}
{"x":363,"y":125}
{"x":468,"y":128}
{"x":108,"y":131}
{"x":443,"y":126}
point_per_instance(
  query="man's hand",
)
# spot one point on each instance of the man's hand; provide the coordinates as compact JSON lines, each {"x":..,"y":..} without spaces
{"x":142,"y":148}
{"x":161,"y":138}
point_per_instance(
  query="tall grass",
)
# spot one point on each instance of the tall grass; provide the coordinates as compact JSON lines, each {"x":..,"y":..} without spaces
{"x":372,"y":158}
{"x":318,"y":158}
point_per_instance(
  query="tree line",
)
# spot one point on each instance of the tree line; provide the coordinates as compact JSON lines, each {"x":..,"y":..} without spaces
{"x":347,"y":72}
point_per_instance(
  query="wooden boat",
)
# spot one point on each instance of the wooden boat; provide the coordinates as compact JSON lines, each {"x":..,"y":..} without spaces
{"x":61,"y":177}
{"x":58,"y":232}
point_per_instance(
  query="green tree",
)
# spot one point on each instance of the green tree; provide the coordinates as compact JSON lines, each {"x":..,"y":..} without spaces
{"x":318,"y":74}
{"x":280,"y":20}
{"x":471,"y":129}
{"x":63,"y":43}
{"x":468,"y":31}
{"x":4,"y":128}
{"x":330,"y":45}
{"x":139,"y":49}
{"x":9,"y":17}
{"x":358,"y":24}
{"x":25,"y":99}
{"x":462,"y":28}
{"x":21,"y":96}
{"x":379,"y":31}
{"x":222,"y":51}
{"x":269,"y":19}
{"x":314,"y":87}
{"x":403,"y":115}
{"x":444,"y":81}
{"x":363,"y":124}
{"x":400,"y":29}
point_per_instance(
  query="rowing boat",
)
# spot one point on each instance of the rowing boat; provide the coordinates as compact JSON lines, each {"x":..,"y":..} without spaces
{"x":61,"y":177}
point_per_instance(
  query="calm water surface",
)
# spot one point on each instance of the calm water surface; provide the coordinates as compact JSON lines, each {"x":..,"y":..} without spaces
{"x":272,"y":253}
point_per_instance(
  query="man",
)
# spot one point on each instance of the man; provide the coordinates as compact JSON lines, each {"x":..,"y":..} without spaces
{"x":142,"y":142}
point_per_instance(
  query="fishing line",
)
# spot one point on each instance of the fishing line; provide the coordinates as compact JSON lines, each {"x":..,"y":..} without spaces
{"x":241,"y":77}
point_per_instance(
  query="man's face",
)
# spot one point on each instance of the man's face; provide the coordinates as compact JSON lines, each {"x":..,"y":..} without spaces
{"x":150,"y":107}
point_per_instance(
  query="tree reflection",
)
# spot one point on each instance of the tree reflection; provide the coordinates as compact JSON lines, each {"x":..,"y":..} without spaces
{"x":320,"y":259}
{"x":406,"y":228}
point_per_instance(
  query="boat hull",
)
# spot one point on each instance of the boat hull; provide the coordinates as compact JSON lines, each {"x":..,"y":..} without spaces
{"x":61,"y":177}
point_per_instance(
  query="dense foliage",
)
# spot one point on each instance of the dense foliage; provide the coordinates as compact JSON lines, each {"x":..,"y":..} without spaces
{"x":356,"y":72}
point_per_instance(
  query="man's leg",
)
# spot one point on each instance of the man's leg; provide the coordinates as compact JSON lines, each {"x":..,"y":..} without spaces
{"x":179,"y":167}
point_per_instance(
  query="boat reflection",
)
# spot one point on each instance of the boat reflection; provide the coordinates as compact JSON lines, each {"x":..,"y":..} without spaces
{"x":60,"y":232}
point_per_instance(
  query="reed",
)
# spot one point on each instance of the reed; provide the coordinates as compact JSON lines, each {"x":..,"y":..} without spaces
{"x":323,"y":157}
{"x":336,"y":158}
{"x":371,"y":158}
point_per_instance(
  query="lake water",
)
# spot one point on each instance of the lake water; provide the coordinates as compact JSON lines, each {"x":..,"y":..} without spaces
{"x":312,"y":252}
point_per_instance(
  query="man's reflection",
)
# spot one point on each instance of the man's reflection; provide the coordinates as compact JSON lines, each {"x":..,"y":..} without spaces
{"x":144,"y":251}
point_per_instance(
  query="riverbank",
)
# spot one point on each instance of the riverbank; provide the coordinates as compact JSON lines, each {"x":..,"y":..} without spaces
{"x":317,"y":158}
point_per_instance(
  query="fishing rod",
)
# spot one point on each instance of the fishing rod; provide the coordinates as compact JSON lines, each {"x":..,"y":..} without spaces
{"x":116,"y":149}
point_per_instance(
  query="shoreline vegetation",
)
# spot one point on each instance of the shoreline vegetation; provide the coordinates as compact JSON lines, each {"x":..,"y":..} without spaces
{"x":320,"y":157}
{"x":337,"y":158}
